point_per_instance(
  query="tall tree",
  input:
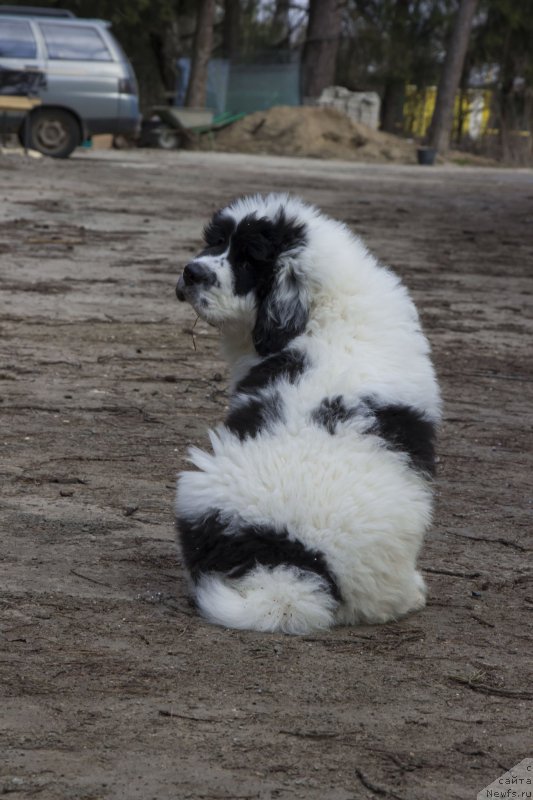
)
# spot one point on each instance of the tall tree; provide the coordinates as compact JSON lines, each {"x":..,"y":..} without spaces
{"x":442,"y":122}
{"x":202,"y":47}
{"x":281,"y":22}
{"x":387,"y":45}
{"x":319,"y":56}
{"x":505,"y":38}
{"x":397,"y":69}
{"x":231,"y":29}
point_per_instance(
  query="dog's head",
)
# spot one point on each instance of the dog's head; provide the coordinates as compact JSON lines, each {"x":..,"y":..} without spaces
{"x":250,"y":271}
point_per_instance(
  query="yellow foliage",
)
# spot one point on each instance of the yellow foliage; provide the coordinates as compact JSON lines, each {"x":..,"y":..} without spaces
{"x":472,"y":107}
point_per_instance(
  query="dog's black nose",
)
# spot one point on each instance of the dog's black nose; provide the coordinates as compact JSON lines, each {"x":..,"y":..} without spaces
{"x":195,"y":272}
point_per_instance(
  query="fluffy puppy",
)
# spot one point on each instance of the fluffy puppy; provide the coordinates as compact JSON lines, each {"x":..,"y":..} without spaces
{"x":311,"y":507}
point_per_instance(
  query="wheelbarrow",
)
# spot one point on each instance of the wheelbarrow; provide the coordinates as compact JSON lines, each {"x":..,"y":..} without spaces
{"x":179,"y":125}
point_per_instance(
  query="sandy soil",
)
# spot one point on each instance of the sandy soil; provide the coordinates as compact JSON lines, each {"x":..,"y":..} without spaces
{"x":325,"y":133}
{"x":311,"y":132}
{"x":111,"y":686}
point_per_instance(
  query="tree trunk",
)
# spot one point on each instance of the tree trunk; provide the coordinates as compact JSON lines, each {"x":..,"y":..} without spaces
{"x":505,"y":95}
{"x":166,"y":49}
{"x":392,"y":106}
{"x":398,"y":69}
{"x":281,"y":23}
{"x":203,"y":44}
{"x":321,"y":45}
{"x":442,"y":122}
{"x":231,"y":29}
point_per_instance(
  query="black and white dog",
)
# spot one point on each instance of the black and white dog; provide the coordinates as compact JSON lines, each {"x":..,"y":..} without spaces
{"x":311,"y":508}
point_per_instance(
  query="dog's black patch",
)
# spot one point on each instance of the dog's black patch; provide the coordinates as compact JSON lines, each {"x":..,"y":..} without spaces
{"x":253,"y":416}
{"x":260,"y":408}
{"x":208,"y":548}
{"x":288,"y":365}
{"x":401,"y":427}
{"x":256,"y":245}
{"x":217,"y":234}
{"x":331,"y":411}
{"x":406,"y":429}
{"x":281,"y":317}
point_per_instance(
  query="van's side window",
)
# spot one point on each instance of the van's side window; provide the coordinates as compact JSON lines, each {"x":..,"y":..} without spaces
{"x":16,"y":39}
{"x":74,"y":43}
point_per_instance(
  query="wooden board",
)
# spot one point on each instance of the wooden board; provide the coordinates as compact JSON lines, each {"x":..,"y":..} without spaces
{"x":17,"y":103}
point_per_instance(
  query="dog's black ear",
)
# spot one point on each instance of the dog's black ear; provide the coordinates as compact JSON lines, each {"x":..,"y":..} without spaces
{"x":282,"y":314}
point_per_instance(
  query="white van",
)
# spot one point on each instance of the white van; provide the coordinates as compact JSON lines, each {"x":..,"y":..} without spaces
{"x":76,"y":68}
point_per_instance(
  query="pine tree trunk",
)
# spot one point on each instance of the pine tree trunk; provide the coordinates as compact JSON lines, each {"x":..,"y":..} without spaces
{"x":505,"y":94}
{"x":281,"y":23}
{"x":203,"y":44}
{"x":166,"y":50}
{"x":231,"y":29}
{"x":319,"y":55}
{"x":398,"y":69}
{"x":392,"y":106}
{"x":442,"y":122}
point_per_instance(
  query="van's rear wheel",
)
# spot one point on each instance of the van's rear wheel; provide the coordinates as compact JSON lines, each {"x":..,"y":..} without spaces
{"x":54,"y":133}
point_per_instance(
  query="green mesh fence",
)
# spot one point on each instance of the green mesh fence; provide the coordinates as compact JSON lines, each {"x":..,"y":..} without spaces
{"x":255,"y":87}
{"x":245,"y":87}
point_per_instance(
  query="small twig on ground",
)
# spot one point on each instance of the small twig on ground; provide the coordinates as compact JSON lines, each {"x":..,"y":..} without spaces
{"x":452,"y":573}
{"x":164,"y":713}
{"x":396,"y":760}
{"x":380,"y":790}
{"x":516,"y":694}
{"x":483,"y":621}
{"x":91,"y":580}
{"x":313,"y":734}
{"x":505,"y":542}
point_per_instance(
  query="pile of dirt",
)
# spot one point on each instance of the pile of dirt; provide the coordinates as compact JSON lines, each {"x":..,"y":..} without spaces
{"x":313,"y":132}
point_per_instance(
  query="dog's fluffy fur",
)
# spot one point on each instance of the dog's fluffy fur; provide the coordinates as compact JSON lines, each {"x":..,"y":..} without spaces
{"x":311,"y":507}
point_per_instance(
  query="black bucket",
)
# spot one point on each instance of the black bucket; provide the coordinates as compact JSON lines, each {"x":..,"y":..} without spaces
{"x":426,"y":156}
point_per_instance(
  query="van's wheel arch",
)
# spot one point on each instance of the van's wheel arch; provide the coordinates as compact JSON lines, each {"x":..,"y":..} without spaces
{"x":53,"y":132}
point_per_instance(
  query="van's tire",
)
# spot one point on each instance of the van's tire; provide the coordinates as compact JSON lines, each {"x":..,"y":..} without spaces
{"x":52,"y":132}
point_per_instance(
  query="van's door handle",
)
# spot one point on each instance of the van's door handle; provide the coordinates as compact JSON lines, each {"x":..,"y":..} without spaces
{"x":30,"y":68}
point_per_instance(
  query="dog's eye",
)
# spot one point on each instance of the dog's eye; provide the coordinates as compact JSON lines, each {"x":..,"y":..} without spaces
{"x":215,"y":241}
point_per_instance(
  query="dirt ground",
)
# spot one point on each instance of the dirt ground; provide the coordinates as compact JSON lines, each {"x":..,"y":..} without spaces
{"x":111,"y":685}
